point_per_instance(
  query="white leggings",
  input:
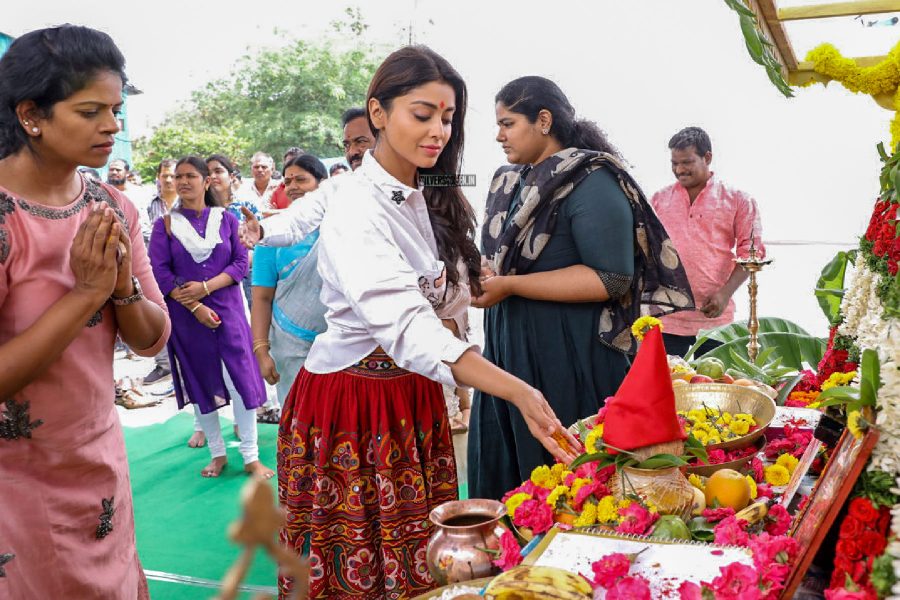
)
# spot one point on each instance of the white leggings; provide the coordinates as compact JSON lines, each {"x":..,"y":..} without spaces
{"x":244,"y":418}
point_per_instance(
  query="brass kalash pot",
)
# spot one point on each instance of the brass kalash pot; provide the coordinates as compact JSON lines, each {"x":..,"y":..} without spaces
{"x":463,"y":529}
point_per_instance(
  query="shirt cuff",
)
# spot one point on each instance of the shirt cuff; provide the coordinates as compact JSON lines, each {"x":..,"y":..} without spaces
{"x":451,"y":353}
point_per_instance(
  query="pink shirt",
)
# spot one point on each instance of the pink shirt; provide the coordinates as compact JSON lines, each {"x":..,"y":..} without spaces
{"x":53,"y":483}
{"x":708,"y":234}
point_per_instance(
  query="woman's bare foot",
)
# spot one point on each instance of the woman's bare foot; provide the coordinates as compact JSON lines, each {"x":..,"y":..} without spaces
{"x":237,"y":432}
{"x":198,"y":440}
{"x":215,"y":466}
{"x":259,"y":469}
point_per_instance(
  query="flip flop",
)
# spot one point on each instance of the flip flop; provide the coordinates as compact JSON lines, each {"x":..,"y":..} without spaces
{"x":131,"y":399}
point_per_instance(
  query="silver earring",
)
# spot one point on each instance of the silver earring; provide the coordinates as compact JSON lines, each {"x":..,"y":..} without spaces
{"x":35,"y":129}
{"x":545,"y":131}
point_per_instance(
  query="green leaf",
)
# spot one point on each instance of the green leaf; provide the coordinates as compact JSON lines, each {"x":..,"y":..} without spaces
{"x":586,"y":458}
{"x":839,"y":394}
{"x":695,"y":448}
{"x":661,"y":461}
{"x":881,"y":151}
{"x":787,"y":388}
{"x":870,"y":377}
{"x":830,"y":286}
{"x":796,"y":350}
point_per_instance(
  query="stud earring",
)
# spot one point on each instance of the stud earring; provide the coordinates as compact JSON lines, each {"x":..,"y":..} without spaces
{"x":545,"y":131}
{"x":35,"y":129}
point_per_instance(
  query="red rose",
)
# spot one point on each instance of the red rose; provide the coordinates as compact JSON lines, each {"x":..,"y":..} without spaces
{"x":884,"y":520}
{"x":849,"y":549}
{"x":872,"y":543}
{"x":862,"y":509}
{"x":892,"y":266}
{"x":851,"y":527}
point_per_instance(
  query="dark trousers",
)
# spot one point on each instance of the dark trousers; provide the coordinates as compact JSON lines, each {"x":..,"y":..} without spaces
{"x":678,"y":345}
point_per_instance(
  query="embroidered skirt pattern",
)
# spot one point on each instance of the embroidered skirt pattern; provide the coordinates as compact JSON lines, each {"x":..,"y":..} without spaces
{"x":364,"y":454}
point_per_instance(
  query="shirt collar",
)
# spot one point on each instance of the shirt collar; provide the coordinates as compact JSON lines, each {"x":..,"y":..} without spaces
{"x":709,"y":183}
{"x":386,"y":182}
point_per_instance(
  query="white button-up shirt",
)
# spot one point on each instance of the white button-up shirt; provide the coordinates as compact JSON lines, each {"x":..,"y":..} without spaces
{"x":378,"y":259}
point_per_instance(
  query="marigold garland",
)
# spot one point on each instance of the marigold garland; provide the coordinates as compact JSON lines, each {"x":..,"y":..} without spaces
{"x":882,"y":78}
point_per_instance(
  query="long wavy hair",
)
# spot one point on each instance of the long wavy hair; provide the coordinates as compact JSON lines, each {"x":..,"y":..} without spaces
{"x":451,"y":215}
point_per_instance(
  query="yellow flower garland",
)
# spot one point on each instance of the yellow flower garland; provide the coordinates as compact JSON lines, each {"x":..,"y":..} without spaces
{"x":644,"y":324}
{"x":882,"y":78}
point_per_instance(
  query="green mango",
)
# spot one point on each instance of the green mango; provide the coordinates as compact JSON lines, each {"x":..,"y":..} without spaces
{"x":671,"y":527}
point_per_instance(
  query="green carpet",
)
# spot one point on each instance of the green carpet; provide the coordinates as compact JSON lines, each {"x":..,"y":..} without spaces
{"x":182,"y":518}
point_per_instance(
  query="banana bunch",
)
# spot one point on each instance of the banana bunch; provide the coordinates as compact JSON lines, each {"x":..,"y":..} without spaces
{"x":534,"y":583}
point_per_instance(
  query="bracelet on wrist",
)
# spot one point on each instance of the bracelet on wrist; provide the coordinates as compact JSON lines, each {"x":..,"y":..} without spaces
{"x":196,"y":306}
{"x":206,"y":288}
{"x":260,"y":344}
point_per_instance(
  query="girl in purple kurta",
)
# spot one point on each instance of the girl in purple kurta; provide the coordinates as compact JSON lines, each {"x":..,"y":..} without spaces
{"x":197,"y":257}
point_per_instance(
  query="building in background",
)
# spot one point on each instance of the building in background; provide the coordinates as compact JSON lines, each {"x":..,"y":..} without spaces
{"x":122,"y":147}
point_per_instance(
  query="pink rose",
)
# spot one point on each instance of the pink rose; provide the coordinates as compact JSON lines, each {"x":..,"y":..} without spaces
{"x":730,"y":532}
{"x":637,"y":519}
{"x":717,"y":514}
{"x":630,"y":588}
{"x":596,"y":489}
{"x":756,"y":467}
{"x":778,"y":521}
{"x":510,"y":553}
{"x":534,"y":514}
{"x":688,"y":590}
{"x":716,"y":456}
{"x":737,"y":581}
{"x":609,"y":569}
{"x":764,"y":490}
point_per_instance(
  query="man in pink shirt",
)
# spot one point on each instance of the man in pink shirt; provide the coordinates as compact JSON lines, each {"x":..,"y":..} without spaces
{"x":710,"y":224}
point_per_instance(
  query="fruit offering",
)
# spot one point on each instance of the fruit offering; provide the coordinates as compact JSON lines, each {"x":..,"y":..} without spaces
{"x":727,"y":488}
{"x":534,"y":583}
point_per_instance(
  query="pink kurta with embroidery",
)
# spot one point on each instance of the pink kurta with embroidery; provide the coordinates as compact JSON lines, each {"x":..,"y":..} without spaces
{"x":52,"y":485}
{"x":708,"y":234}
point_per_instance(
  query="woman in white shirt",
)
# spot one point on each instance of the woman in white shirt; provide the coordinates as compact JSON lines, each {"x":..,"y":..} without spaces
{"x":365,"y":450}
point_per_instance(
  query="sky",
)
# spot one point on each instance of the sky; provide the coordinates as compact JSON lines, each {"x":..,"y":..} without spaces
{"x":641,"y":69}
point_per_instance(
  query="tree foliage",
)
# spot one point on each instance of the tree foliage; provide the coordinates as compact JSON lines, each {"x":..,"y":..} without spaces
{"x":273,"y":99}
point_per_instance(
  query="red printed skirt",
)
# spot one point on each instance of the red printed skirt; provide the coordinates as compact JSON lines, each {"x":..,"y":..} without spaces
{"x":363,"y":456}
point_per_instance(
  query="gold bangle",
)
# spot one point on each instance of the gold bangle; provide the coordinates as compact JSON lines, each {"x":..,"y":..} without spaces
{"x":196,"y":306}
{"x":260,"y":344}
{"x":206,"y":288}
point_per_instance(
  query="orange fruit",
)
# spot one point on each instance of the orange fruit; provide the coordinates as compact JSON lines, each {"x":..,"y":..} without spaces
{"x":564,"y":518}
{"x":728,"y":488}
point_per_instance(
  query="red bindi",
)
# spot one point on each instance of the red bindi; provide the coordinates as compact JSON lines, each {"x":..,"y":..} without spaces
{"x":442,"y":105}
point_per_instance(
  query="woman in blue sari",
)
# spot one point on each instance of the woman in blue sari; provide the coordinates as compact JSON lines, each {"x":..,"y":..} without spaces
{"x":286,"y":314}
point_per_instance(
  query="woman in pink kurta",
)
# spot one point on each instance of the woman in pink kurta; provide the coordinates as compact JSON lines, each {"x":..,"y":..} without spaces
{"x":73,"y":274}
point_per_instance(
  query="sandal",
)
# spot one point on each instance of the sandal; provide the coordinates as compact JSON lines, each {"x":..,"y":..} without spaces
{"x":132,"y":399}
{"x":271,"y":416}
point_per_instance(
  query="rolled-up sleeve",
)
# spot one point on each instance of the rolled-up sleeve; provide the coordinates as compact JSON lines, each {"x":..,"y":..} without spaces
{"x":383,"y":292}
{"x":300,"y":219}
{"x":747,"y":227}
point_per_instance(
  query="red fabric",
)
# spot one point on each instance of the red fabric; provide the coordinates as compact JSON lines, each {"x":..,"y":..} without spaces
{"x":642,"y":412}
{"x":279,"y":198}
{"x":363,"y":458}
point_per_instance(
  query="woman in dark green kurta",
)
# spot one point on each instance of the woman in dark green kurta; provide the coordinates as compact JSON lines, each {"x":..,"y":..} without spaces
{"x":573,"y":253}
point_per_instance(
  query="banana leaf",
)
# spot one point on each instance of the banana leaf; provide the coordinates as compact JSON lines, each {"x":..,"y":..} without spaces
{"x":738,"y":330}
{"x":830,"y":286}
{"x":796,"y":350}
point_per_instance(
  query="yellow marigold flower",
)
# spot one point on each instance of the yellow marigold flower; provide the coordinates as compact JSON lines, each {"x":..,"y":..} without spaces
{"x":714,"y":438}
{"x":853,"y":424}
{"x":701,"y":436}
{"x":651,"y":507}
{"x":625,"y":503}
{"x":590,"y":441}
{"x":777,"y":475}
{"x":541,"y":477}
{"x":643,"y":325}
{"x":813,"y":405}
{"x":787,"y":461}
{"x":752,"y":483}
{"x":588,"y":516}
{"x":556,"y":473}
{"x":745,"y":417}
{"x":696,"y":481}
{"x":558,"y":492}
{"x":837,"y":379}
{"x":513,"y":502}
{"x":739,"y":427}
{"x":607,"y":510}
